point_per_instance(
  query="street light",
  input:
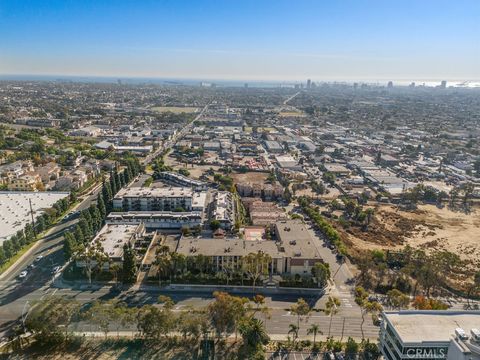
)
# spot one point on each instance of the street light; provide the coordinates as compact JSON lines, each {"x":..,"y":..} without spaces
{"x":25,"y":314}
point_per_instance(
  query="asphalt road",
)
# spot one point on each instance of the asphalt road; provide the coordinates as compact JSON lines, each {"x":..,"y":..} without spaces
{"x":17,"y":296}
{"x":15,"y":292}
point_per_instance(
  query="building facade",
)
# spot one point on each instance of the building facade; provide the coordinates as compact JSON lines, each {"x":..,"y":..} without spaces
{"x":430,"y":335}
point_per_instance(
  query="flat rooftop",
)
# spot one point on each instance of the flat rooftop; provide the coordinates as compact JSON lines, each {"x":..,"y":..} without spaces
{"x":295,"y":240}
{"x":225,"y":247}
{"x":136,"y":192}
{"x":15,"y":209}
{"x":431,"y":326}
{"x":114,"y":236}
{"x":199,"y":199}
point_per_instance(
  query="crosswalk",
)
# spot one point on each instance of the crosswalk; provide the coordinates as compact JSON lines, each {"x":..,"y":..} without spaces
{"x":345,"y":296}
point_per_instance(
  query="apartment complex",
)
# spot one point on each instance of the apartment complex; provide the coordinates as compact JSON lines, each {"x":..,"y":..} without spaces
{"x":167,"y":220}
{"x":224,"y":209}
{"x":177,"y":179}
{"x":292,"y":252}
{"x":159,"y":199}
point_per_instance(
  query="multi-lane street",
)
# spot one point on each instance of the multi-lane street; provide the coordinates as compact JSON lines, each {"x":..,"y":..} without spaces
{"x":40,"y":261}
{"x":17,"y":296}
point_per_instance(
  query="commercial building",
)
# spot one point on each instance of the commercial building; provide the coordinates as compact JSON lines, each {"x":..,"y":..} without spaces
{"x":273,"y":147}
{"x":430,"y":335}
{"x":336,"y":169}
{"x":112,"y":238}
{"x":159,"y":199}
{"x":177,"y":179}
{"x":288,"y":162}
{"x":166,"y":220}
{"x":15,"y":209}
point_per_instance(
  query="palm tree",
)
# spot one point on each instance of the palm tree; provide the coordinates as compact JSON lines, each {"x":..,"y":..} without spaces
{"x":314,"y":329}
{"x":265,"y":310}
{"x":164,"y":263}
{"x":293,"y":329}
{"x":331,"y":308}
{"x":114,"y":268}
{"x":253,"y":332}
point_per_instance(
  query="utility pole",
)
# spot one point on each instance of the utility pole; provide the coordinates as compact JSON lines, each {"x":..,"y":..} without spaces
{"x":33,"y":219}
{"x":25,"y":312}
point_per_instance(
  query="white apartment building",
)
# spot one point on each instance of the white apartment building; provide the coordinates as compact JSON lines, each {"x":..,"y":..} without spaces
{"x":159,"y":199}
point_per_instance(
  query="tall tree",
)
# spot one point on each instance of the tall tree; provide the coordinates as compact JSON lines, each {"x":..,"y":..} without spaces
{"x":397,"y":300}
{"x":314,"y":329}
{"x":78,"y":234}
{"x":373,"y":307}
{"x":256,"y":265}
{"x":331,"y":309}
{"x":226,"y":312}
{"x":93,"y":257}
{"x":70,"y":245}
{"x":321,"y":273}
{"x":300,"y":309}
{"x":101,"y":206}
{"x":293,"y":329}
{"x":129,"y":267}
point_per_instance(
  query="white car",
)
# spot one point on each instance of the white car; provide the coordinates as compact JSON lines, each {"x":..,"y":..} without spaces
{"x":56,"y":269}
{"x":38,"y":258}
{"x":23,"y":274}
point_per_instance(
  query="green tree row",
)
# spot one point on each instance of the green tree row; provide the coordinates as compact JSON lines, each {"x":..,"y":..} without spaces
{"x":29,"y":234}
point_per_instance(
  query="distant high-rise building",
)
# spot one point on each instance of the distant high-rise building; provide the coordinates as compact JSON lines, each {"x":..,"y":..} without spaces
{"x":443,"y":84}
{"x":245,"y":85}
{"x":355,"y":86}
{"x":390,"y":85}
{"x":412,"y":85}
{"x":309,"y":84}
{"x":119,"y":81}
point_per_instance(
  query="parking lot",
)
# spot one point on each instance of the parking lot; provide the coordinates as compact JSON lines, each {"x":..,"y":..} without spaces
{"x":296,"y":355}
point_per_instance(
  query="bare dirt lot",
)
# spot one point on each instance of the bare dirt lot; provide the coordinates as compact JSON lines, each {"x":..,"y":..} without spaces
{"x":249,"y":177}
{"x":195,"y":170}
{"x":428,"y":227}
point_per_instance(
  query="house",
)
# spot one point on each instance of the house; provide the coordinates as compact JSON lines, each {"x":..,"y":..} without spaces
{"x":48,"y":172}
{"x":27,"y":182}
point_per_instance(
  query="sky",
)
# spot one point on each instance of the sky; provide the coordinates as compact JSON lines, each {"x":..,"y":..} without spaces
{"x":243,"y":39}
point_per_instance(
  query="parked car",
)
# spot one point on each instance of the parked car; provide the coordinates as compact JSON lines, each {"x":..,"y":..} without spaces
{"x":329,"y":356}
{"x":38,"y":258}
{"x":56,"y":269}
{"x":23,"y":274}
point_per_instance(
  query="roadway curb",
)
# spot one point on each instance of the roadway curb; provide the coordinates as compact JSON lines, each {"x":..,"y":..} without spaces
{"x":36,"y":244}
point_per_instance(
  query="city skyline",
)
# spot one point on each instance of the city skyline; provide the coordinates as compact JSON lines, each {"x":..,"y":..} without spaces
{"x":269,"y":41}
